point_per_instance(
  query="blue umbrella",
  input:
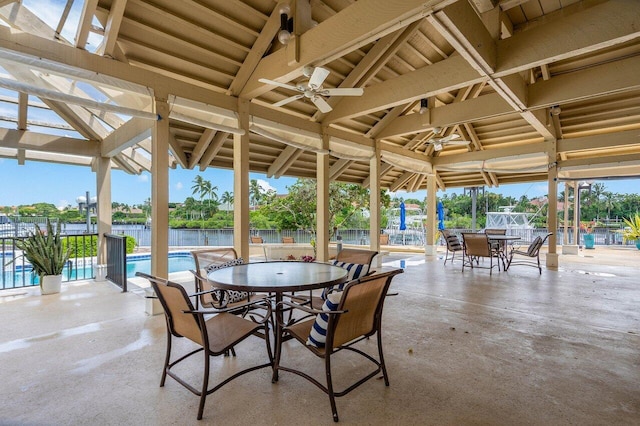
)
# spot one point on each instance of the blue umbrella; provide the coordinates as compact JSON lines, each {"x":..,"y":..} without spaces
{"x":440,"y":216}
{"x":403,"y":216}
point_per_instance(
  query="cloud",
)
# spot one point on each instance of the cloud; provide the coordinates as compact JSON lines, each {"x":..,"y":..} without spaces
{"x":143,"y":178}
{"x":265,"y":186}
{"x":179,"y":186}
{"x":62,"y":204}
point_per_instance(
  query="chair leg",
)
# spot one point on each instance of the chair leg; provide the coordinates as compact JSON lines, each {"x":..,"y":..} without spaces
{"x":385,"y":376}
{"x":166,"y":359}
{"x":205,"y":384}
{"x":332,"y":397}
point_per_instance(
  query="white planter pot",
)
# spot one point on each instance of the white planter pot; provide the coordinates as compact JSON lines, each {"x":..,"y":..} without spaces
{"x":51,"y":284}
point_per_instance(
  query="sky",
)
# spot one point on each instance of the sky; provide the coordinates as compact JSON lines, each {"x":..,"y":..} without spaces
{"x":61,"y":185}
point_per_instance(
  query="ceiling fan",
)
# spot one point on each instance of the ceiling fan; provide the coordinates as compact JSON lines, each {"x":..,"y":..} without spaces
{"x":312,"y":89}
{"x":439,"y":142}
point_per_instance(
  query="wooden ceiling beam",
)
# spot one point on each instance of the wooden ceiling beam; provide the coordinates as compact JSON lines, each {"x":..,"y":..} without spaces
{"x":285,"y":157}
{"x":34,"y":141}
{"x":213,"y":149}
{"x":112,"y":29}
{"x":336,"y":37}
{"x":201,"y":147}
{"x":127,"y":135}
{"x":84,"y":23}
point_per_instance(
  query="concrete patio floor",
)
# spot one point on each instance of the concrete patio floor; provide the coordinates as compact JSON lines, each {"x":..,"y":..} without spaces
{"x":461,"y":349}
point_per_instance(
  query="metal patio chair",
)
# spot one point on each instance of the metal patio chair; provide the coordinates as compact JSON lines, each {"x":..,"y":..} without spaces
{"x":530,"y":256}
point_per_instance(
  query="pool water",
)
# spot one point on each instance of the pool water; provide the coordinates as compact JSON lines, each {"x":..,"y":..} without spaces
{"x":142,"y":263}
{"x":178,"y":261}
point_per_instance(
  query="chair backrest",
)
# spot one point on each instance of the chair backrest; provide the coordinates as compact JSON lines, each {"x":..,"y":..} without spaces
{"x":288,"y":240}
{"x":364,"y":300}
{"x":175,"y":301}
{"x":495,"y":231}
{"x":384,"y":239}
{"x":213,"y":256}
{"x":476,"y":244}
{"x":363,"y":257}
{"x":536,"y":245}
{"x":453,"y":242}
{"x":205,"y":258}
{"x":256,"y":239}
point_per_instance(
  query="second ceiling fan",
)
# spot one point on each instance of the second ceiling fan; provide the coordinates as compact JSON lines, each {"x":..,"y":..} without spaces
{"x":313,"y":90}
{"x":439,"y":142}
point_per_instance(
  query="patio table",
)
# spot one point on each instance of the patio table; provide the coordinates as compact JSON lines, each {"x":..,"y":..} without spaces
{"x":278,"y":278}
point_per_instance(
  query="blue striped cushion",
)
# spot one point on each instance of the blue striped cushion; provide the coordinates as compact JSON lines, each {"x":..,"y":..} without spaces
{"x":318,"y":335}
{"x":356,"y":270}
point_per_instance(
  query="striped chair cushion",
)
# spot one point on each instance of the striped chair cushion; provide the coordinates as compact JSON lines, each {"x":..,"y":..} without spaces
{"x":355,"y":271}
{"x":318,"y":335}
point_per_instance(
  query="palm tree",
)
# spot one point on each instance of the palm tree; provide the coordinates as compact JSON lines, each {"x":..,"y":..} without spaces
{"x":255,"y":192}
{"x":227,"y":198}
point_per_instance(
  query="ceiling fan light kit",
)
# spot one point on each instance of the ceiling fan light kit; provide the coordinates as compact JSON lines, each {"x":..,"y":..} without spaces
{"x":313,"y":89}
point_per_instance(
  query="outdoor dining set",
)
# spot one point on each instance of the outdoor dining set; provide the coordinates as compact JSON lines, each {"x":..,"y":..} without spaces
{"x":493,"y":244}
{"x":326,"y":307}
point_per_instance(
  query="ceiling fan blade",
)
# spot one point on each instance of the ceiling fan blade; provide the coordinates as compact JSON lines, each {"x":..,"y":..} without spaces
{"x":318,"y":77}
{"x":451,"y":137}
{"x":289,"y":99}
{"x":277,"y":83}
{"x":322,"y":105}
{"x":355,"y":91}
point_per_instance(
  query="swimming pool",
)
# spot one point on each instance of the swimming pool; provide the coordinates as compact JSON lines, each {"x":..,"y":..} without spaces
{"x":17,"y":277}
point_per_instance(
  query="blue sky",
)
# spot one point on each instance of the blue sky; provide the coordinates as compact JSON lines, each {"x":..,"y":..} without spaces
{"x":60,"y":185}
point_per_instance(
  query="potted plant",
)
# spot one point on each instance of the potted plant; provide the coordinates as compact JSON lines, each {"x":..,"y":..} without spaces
{"x":48,"y":257}
{"x":632,"y":232}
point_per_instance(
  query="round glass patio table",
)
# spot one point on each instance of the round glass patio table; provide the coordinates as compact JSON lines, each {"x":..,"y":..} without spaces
{"x":278,"y":278}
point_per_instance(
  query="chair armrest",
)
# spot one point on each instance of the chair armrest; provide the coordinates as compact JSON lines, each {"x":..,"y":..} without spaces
{"x":261,"y":302}
{"x":307,"y":309}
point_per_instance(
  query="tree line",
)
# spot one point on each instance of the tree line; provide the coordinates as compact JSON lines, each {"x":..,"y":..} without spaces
{"x":348,"y":207}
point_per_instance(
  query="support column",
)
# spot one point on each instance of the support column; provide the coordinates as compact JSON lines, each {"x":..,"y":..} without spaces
{"x":430,"y":248}
{"x":160,"y":189}
{"x":374,"y":204}
{"x":103,"y":208}
{"x":552,"y":210}
{"x":565,"y":228}
{"x":241,"y":183}
{"x":322,"y":201}
{"x":573,"y":248}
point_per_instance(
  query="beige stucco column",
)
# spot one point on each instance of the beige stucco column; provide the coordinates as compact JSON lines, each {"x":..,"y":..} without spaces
{"x":374,"y":203}
{"x":160,"y":189}
{"x":552,"y":210}
{"x":103,"y":209}
{"x":241,"y":183}
{"x":430,"y":248}
{"x":322,"y":202}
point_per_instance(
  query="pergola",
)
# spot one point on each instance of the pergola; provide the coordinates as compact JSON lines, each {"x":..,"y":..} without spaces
{"x":543,"y":90}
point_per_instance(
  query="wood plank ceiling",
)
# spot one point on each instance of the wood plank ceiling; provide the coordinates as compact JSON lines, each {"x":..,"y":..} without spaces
{"x":531,"y":84}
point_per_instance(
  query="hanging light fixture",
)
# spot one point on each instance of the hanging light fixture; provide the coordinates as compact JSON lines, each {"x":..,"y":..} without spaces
{"x":424,"y":105}
{"x":284,"y":35}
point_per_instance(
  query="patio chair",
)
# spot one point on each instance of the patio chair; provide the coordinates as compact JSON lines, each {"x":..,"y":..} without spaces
{"x":477,"y":246}
{"x":356,"y":261}
{"x":529,"y":257}
{"x":499,"y":246}
{"x":255,"y":239}
{"x":288,"y":240}
{"x":356,"y":316}
{"x":214,"y":336}
{"x":206,"y":260}
{"x":453,"y":245}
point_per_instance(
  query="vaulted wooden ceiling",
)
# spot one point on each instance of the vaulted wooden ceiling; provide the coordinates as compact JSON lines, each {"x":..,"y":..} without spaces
{"x":531,"y":84}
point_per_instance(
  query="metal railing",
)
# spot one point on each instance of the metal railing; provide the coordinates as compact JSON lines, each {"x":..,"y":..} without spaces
{"x":17,"y":272}
{"x":117,"y":260}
